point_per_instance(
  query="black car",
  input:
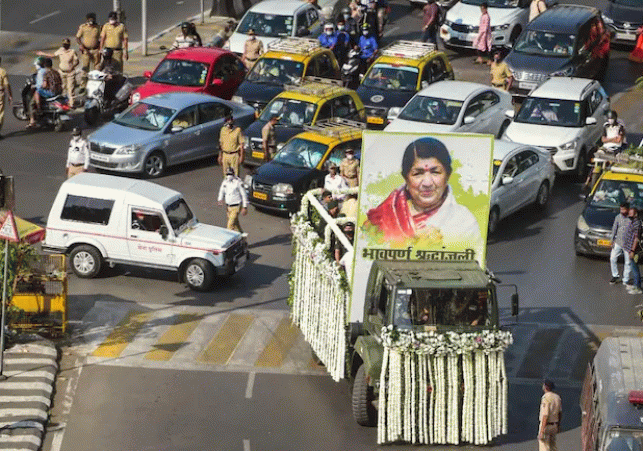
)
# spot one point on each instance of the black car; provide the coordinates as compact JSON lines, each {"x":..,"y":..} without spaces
{"x":565,"y":40}
{"x":623,"y":18}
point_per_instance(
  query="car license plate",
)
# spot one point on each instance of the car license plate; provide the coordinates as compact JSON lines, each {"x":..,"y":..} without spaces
{"x":240,"y":263}
{"x":258,"y":195}
{"x":604,"y":243}
{"x":258,"y":155}
{"x":626,"y":36}
{"x":99,"y":157}
{"x":375,"y":120}
{"x":527,"y":85}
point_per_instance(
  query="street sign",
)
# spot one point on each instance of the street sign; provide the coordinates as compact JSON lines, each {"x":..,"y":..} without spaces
{"x":8,"y":230}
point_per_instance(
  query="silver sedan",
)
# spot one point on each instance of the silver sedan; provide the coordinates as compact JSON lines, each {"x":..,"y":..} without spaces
{"x":164,"y":130}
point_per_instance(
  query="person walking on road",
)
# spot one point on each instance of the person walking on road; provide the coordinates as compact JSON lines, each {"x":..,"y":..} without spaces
{"x":185,"y":39}
{"x":268,"y":140}
{"x":632,"y":245}
{"x":551,"y":413}
{"x":430,"y":19}
{"x":114,"y":36}
{"x":619,"y":231}
{"x":536,"y":8}
{"x":232,"y":147}
{"x":67,"y":63}
{"x":234,"y":195}
{"x":5,"y":94}
{"x":252,"y":49}
{"x":349,"y":169}
{"x":88,"y":38}
{"x":501,"y":76}
{"x":482,"y":42}
{"x":77,"y":154}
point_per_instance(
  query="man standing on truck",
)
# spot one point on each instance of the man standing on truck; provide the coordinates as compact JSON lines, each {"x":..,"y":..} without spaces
{"x":235,"y":198}
{"x":551,"y":412}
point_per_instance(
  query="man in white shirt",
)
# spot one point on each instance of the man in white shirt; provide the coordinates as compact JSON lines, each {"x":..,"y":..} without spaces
{"x":77,"y":154}
{"x":236,"y":200}
{"x":334,"y":182}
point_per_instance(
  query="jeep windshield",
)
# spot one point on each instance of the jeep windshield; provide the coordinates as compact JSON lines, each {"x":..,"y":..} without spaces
{"x":388,"y":76}
{"x":145,"y":116}
{"x":301,"y":153}
{"x":493,"y":3}
{"x":612,"y":193}
{"x":431,"y":110}
{"x":543,"y":43}
{"x":179,"y":215}
{"x":294,"y":113}
{"x":441,"y":307}
{"x":181,"y":73}
{"x":270,"y":25}
{"x":624,"y":439}
{"x":560,"y":113}
{"x":276,"y":71}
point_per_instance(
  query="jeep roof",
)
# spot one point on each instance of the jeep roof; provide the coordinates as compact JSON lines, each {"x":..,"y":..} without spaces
{"x":563,"y":88}
{"x":563,"y":18}
{"x":430,"y":274}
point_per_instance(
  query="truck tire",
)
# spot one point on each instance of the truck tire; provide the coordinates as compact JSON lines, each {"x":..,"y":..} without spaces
{"x":363,"y":409}
{"x":86,"y":261}
{"x":198,"y":274}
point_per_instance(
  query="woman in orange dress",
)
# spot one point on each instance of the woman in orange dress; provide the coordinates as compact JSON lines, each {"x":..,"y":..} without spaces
{"x":637,"y":54}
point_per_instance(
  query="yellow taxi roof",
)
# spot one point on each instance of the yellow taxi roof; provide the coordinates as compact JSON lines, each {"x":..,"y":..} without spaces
{"x":328,"y":140}
{"x":314,"y":92}
{"x":333,"y":131}
{"x":624,"y":174}
{"x":400,"y":61}
{"x":298,"y":57}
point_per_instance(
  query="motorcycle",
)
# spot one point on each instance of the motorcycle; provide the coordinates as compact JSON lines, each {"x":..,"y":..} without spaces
{"x":350,"y":69}
{"x":52,"y":113}
{"x":96,"y":105}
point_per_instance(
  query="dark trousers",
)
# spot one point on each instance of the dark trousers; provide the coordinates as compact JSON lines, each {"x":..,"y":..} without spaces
{"x":431,"y":35}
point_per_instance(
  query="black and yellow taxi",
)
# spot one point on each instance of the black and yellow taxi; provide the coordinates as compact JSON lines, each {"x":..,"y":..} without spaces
{"x":286,"y":61}
{"x":402,"y":69}
{"x":300,"y":106}
{"x":302,"y":164}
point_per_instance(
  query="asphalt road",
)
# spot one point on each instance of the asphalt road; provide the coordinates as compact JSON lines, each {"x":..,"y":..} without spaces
{"x":131,"y":403}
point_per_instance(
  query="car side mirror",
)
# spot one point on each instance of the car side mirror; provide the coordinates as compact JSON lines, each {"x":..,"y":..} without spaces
{"x":469,"y":120}
{"x":507,"y":180}
{"x":590,"y":121}
{"x":176,"y":129}
{"x":217,"y":82}
{"x":164,"y":232}
{"x":147,"y":74}
{"x":515,"y":305}
{"x":510,"y":114}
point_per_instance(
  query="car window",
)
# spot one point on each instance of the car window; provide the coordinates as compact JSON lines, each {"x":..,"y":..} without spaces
{"x":186,"y":118}
{"x":431,"y":110}
{"x":345,"y":107}
{"x":475,"y":107}
{"x":209,"y":112}
{"x":337,"y":154}
{"x":555,"y":112}
{"x":535,"y":42}
{"x":145,"y":116}
{"x":511,"y":167}
{"x":611,"y":193}
{"x":493,"y":3}
{"x":271,"y":25}
{"x":276,"y":71}
{"x":325,"y":112}
{"x":292,"y":112}
{"x":437,"y":69}
{"x":87,"y":209}
{"x":226,"y":67}
{"x":526,"y":160}
{"x":301,"y":20}
{"x":391,"y":76}
{"x":146,"y":221}
{"x":595,"y":99}
{"x":301,"y":153}
{"x":311,"y":70}
{"x":181,"y":73}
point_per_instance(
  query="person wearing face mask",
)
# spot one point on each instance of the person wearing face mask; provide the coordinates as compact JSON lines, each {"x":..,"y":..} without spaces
{"x":328,"y":38}
{"x":114,"y":36}
{"x":613,"y":133}
{"x":501,"y":76}
{"x":88,"y":38}
{"x":231,"y":142}
{"x":349,"y":169}
{"x":252,"y":49}
{"x":77,"y":154}
{"x":233,"y":194}
{"x":372,"y":19}
{"x":333,"y":182}
{"x":351,"y":25}
{"x":67,"y":63}
{"x":343,"y":43}
{"x":368,"y":47}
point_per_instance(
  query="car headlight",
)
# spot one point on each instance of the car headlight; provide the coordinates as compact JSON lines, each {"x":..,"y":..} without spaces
{"x":563,"y":73}
{"x":581,"y":225}
{"x":282,"y":189}
{"x":128,"y":150}
{"x":237,"y":99}
{"x":571,"y":145}
{"x":136,"y":97}
{"x":501,"y":27}
{"x":607,"y":20}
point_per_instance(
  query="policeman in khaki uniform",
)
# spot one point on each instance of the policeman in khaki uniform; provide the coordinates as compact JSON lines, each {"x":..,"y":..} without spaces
{"x":88,"y":38}
{"x":252,"y":49}
{"x":551,"y":413}
{"x":349,"y":169}
{"x":68,"y":61}
{"x":231,"y":142}
{"x":114,"y":36}
{"x":268,"y":138}
{"x":5,"y":90}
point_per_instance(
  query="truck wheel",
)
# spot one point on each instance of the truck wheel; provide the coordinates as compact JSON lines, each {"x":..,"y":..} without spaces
{"x":198,"y":274}
{"x":86,"y":261}
{"x":363,"y":409}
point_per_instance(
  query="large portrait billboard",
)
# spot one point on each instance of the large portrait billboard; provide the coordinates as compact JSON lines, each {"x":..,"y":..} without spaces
{"x":422,"y":197}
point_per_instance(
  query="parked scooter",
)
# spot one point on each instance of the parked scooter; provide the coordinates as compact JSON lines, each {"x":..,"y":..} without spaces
{"x":53,"y":111}
{"x":350,"y":69}
{"x":96,"y":103}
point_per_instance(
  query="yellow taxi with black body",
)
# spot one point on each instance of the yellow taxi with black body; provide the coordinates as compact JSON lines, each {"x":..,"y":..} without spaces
{"x":286,"y":61}
{"x":621,"y":183}
{"x":302,"y":164}
{"x":300,"y":106}
{"x":402,"y":69}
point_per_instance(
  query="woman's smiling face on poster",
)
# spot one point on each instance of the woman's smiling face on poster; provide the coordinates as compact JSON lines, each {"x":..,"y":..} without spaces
{"x":426,"y":182}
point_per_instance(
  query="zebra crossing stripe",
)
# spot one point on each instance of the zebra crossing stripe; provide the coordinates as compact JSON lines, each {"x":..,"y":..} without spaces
{"x":122,"y":335}
{"x":224,"y":343}
{"x":32,"y":413}
{"x":282,"y":341}
{"x":174,"y":338}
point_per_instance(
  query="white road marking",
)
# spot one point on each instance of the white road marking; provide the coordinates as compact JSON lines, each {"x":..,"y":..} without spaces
{"x":49,"y":375}
{"x":35,"y":413}
{"x":72,"y":384}
{"x":251,"y":383}
{"x":246,"y":445}
{"x":390,"y":31}
{"x":57,"y":440}
{"x":18,"y":398}
{"x":46,"y":16}
{"x":21,"y":438}
{"x":180,"y":3}
{"x":46,"y":387}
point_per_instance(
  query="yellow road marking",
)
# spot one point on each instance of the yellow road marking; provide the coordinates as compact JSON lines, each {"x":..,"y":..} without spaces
{"x":173,"y":338}
{"x":225,"y":342}
{"x":275,"y":352}
{"x":122,"y":334}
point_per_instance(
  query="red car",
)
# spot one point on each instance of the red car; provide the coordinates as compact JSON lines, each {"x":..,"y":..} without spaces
{"x":207,"y":70}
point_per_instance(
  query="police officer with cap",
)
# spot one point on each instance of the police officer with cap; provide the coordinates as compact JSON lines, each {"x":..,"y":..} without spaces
{"x":77,"y":154}
{"x":231,"y":142}
{"x":68,"y":61}
{"x":252,"y":49}
{"x":114,"y":36}
{"x":551,"y":412}
{"x":234,"y":195}
{"x":88,"y":38}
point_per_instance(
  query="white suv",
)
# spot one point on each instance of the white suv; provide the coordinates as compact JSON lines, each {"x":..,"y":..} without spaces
{"x":99,"y":219}
{"x":564,"y":115}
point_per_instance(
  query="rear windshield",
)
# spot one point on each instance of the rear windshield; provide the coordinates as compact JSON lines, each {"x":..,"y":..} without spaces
{"x":432,"y":110}
{"x":276,"y":71}
{"x":624,"y":439}
{"x":270,"y":25}
{"x":291,"y":112}
{"x":560,"y":113}
{"x":388,"y":76}
{"x":534,"y":42}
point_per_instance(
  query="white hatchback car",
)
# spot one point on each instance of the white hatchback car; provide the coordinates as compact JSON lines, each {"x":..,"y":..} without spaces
{"x":522,"y":175}
{"x":275,"y":19}
{"x":453,"y":106}
{"x":564,"y":115}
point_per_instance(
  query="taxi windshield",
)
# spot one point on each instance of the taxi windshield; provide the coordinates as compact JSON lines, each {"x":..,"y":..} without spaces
{"x":560,"y":113}
{"x":181,"y":73}
{"x":301,"y":153}
{"x":437,"y":306}
{"x":431,"y":110}
{"x":294,"y":113}
{"x":624,"y":439}
{"x":534,"y":42}
{"x":270,"y":25}
{"x":145,"y":116}
{"x":388,"y":76}
{"x":612,"y":193}
{"x":276,"y":71}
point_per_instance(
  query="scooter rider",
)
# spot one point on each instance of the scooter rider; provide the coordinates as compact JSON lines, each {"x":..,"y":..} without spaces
{"x":351,"y":25}
{"x":613,"y":133}
{"x":328,"y":38}
{"x":343,"y":42}
{"x":185,"y":39}
{"x":368,"y":47}
{"x":112,"y":68}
